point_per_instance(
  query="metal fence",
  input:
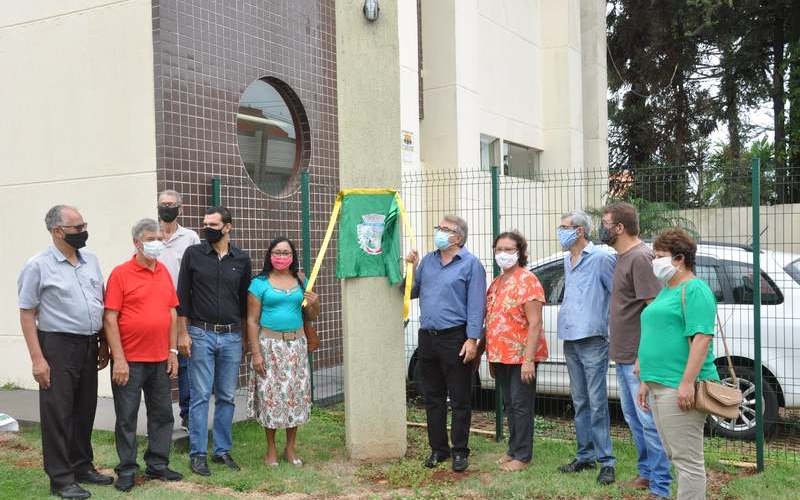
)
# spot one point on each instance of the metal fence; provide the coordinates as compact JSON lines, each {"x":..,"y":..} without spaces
{"x":715,"y":205}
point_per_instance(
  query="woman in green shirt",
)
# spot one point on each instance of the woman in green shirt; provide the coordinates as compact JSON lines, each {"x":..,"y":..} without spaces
{"x":675,"y":352}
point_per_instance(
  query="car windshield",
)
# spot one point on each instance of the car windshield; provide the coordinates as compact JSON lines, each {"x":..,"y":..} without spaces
{"x":794,"y":270}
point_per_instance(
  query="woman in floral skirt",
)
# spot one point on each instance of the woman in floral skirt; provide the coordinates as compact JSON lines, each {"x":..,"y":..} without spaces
{"x":280,"y":390}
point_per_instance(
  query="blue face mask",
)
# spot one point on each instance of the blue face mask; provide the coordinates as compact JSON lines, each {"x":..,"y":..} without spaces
{"x":441,"y":240}
{"x":567,"y":237}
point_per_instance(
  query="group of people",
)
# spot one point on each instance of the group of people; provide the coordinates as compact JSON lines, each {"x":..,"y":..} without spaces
{"x":642,"y":308}
{"x":177,"y":309}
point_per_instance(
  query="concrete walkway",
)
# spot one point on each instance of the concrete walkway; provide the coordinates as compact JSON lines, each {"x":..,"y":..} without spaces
{"x":23,"y":406}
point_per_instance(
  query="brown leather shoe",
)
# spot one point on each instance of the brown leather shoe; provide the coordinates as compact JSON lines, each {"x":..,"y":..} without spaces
{"x":514,"y":466}
{"x":504,"y":458}
{"x":638,"y":483}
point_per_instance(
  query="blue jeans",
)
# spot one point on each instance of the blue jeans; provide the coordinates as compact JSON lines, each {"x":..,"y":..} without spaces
{"x":587,"y":364}
{"x":653,"y":462}
{"x":214,"y":364}
{"x":183,"y":385}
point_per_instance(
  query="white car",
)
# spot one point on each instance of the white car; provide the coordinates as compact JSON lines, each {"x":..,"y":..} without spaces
{"x":728,"y":269}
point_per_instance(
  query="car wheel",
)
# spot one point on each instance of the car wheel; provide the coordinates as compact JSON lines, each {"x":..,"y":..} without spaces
{"x":744,"y":426}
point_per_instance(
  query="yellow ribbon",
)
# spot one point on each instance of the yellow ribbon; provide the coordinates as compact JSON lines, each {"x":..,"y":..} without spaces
{"x":337,"y":205}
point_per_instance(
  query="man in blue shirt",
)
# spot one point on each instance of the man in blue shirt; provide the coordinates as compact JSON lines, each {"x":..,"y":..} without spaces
{"x":450,"y":283}
{"x":583,"y":326}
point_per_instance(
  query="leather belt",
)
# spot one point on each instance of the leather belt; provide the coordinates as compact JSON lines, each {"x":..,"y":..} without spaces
{"x":445,"y":331}
{"x":286,"y":336}
{"x":217,"y":328}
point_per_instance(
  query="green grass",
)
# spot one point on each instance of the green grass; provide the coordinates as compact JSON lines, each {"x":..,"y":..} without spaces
{"x":329,"y":474}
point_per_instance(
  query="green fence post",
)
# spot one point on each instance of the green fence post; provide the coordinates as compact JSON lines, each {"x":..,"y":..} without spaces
{"x":498,"y":395}
{"x":216,"y":198}
{"x":756,"y":172}
{"x":306,"y":215}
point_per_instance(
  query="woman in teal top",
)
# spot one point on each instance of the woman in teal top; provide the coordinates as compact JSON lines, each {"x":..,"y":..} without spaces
{"x":674,"y":353}
{"x":280,"y":388}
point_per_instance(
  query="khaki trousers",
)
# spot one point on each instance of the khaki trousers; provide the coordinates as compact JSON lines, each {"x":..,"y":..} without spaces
{"x":681,"y":433}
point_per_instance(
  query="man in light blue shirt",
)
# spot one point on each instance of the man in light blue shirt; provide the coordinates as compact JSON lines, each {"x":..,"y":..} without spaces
{"x":450,"y":283}
{"x":583,"y":326}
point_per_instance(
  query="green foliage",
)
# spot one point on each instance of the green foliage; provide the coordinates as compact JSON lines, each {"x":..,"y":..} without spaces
{"x":726,"y":183}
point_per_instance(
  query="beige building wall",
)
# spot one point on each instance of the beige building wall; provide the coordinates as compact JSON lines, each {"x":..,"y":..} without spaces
{"x":78,"y":128}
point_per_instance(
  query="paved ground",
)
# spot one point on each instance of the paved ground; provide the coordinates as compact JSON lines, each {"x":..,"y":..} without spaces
{"x":23,"y":405}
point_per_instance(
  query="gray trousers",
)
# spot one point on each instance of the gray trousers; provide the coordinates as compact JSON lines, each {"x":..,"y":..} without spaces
{"x":152,"y":380}
{"x":681,"y":434}
{"x":519,"y":403}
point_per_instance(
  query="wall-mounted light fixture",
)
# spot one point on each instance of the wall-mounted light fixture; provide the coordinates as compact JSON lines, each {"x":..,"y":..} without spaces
{"x":371,"y":10}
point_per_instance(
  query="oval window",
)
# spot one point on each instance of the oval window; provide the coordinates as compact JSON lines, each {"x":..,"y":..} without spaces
{"x":269,"y":136}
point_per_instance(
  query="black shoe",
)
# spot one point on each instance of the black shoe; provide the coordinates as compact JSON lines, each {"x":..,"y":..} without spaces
{"x":576,"y":466}
{"x":226,"y":459}
{"x":91,"y":476}
{"x":71,"y":491}
{"x":185,"y":423}
{"x":124,"y":482}
{"x":163,"y":474}
{"x":198,"y":465}
{"x":606,"y":475}
{"x":460,"y":462}
{"x":435,"y":459}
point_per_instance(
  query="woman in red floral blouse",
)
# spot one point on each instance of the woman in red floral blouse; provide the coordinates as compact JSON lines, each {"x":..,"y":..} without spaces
{"x":515,"y":343}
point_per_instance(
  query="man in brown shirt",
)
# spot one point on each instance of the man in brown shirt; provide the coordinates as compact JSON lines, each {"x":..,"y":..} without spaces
{"x":635,"y":286}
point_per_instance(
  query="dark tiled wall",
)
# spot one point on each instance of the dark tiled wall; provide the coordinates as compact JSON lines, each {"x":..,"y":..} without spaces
{"x":206,"y":52}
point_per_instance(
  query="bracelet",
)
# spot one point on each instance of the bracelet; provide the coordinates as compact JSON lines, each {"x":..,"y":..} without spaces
{"x":173,"y":351}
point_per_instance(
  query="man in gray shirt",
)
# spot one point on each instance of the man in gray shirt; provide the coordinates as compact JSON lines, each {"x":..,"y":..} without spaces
{"x":60,"y":298}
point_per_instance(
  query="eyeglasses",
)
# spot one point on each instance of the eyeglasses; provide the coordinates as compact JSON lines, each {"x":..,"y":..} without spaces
{"x":504,"y":250}
{"x":609,"y":223}
{"x":77,"y":227}
{"x":282,"y":253}
{"x":567,"y":227}
{"x":169,"y":204}
{"x":445,"y":229}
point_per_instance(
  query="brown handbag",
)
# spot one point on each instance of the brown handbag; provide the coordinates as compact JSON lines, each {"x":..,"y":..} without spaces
{"x":713,"y":397}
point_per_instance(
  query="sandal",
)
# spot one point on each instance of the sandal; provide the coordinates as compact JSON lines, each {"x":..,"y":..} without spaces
{"x":504,"y":458}
{"x":295,"y":461}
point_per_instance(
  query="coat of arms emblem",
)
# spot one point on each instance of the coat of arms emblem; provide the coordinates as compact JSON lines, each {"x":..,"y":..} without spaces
{"x":370,"y":232}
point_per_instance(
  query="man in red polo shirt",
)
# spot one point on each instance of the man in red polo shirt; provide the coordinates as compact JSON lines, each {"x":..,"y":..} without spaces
{"x":141,"y":328}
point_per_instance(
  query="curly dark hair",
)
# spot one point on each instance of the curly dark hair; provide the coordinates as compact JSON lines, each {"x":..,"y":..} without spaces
{"x":677,"y":242}
{"x":522,"y":245}
{"x":294,"y":267}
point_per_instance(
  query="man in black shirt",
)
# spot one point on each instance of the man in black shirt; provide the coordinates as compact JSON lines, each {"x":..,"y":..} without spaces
{"x":212,"y":290}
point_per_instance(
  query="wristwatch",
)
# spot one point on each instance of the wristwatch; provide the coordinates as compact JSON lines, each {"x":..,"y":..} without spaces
{"x":174,"y":351}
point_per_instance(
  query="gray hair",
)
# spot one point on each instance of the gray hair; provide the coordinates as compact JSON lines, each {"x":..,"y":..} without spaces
{"x":55,"y":216}
{"x":144,"y":225}
{"x":171,"y":192}
{"x":581,"y":219}
{"x":461,"y":227}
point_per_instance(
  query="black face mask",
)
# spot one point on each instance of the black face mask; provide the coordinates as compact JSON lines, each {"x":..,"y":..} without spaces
{"x":606,"y":236}
{"x":168,"y":214}
{"x":212,"y":235}
{"x":76,"y":240}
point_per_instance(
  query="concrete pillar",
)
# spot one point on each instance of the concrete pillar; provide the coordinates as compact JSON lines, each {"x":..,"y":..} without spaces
{"x":368,"y":93}
{"x":595,"y":85}
{"x":562,"y":117}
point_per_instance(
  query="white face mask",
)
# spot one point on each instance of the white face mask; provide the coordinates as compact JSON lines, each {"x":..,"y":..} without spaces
{"x":663,"y":269}
{"x":506,"y":260}
{"x":152,"y":249}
